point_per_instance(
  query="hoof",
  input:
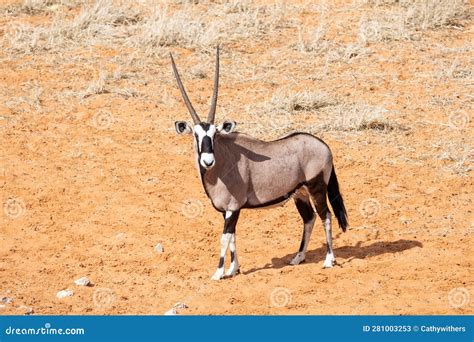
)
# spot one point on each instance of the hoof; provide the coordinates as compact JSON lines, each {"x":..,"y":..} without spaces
{"x":299,"y":258}
{"x":218,"y":275}
{"x":329,"y":262}
{"x":231,"y":273}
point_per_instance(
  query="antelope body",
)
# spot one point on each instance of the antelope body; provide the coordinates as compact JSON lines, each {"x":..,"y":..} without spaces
{"x":239,"y":172}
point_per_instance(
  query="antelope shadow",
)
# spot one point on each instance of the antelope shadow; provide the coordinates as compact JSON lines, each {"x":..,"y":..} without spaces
{"x":346,"y":253}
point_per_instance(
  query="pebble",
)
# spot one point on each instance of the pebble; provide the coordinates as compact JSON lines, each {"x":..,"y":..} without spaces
{"x":6,"y":300}
{"x":174,"y":310}
{"x":179,"y":306}
{"x":84,"y":281}
{"x":64,"y":293}
{"x":171,"y":312}
{"x":26,"y":310}
{"x":159,"y":248}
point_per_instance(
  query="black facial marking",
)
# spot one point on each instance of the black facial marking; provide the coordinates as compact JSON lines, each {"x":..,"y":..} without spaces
{"x":205,"y":126}
{"x":206,"y":145}
{"x":197,"y":142}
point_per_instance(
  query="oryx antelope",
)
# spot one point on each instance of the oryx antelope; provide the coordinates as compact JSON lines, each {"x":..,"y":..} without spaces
{"x":239,"y":172}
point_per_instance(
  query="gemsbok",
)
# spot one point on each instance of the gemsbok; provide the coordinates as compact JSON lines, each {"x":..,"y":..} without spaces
{"x":240,"y":172}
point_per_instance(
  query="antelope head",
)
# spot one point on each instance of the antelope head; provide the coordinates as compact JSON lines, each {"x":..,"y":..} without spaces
{"x":204,"y":132}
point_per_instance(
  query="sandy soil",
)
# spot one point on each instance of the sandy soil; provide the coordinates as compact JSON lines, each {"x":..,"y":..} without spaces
{"x":90,"y":185}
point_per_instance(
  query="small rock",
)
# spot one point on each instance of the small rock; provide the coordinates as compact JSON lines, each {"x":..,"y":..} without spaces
{"x":64,"y":293}
{"x":174,"y":310}
{"x":159,"y":248}
{"x":2,"y":306}
{"x":84,"y":281}
{"x":179,"y":306}
{"x":6,"y":300}
{"x":171,"y":312}
{"x":120,"y":235}
{"x":26,"y":310}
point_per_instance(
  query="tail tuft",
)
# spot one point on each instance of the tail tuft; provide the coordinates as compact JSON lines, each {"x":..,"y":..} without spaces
{"x":337,"y":203}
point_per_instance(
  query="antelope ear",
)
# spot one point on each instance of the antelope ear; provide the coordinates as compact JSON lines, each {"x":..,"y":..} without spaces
{"x":182,"y":127}
{"x":226,"y":127}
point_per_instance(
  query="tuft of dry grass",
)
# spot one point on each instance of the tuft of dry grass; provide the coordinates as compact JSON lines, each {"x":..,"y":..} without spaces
{"x":34,"y":7}
{"x":314,"y":40}
{"x":101,"y":85}
{"x":302,"y":101}
{"x":433,"y":14}
{"x":358,"y":117}
{"x":403,"y":19}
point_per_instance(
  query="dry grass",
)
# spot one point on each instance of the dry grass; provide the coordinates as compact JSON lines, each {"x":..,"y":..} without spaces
{"x":404,"y":19}
{"x":302,"y":101}
{"x":34,"y":7}
{"x":358,"y":117}
{"x":102,"y":85}
{"x":143,"y":26}
{"x":339,"y":116}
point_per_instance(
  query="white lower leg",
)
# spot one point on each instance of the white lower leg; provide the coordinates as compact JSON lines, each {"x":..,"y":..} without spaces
{"x":219,"y":274}
{"x":234,"y":264}
{"x":330,"y":259}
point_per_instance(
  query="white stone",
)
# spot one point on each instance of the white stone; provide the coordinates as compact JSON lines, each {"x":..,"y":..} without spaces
{"x":6,"y":300}
{"x":179,"y":306}
{"x":26,"y":310}
{"x":84,"y":281}
{"x":64,"y":293}
{"x":159,"y":248}
{"x":171,"y":312}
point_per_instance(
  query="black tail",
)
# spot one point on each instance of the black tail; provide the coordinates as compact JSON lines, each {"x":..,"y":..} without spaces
{"x":337,"y":203}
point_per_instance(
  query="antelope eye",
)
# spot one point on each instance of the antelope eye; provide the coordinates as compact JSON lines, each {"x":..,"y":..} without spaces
{"x":181,"y":126}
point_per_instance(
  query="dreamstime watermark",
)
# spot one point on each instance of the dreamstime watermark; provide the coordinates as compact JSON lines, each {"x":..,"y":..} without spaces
{"x":192,"y":208}
{"x":459,"y":120}
{"x":458,"y":297}
{"x":14,"y":207}
{"x":369,"y":31}
{"x":103,"y":120}
{"x":369,"y":207}
{"x":103,"y":297}
{"x":46,"y":330}
{"x":280,"y":297}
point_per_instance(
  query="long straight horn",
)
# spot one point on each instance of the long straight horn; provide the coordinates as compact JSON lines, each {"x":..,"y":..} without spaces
{"x":183,"y":93}
{"x":212,"y":111}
